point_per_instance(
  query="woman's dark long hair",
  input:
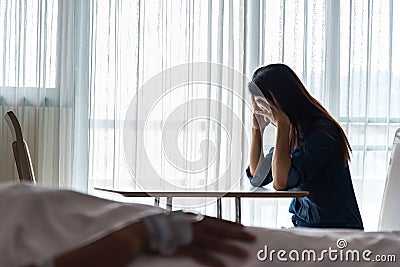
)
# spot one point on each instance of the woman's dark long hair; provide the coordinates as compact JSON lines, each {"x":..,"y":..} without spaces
{"x":278,"y":81}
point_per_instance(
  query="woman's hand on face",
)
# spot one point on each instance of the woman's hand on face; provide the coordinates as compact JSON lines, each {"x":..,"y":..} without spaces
{"x":263,"y":109}
{"x":277,"y":116}
{"x":260,"y":120}
{"x":212,"y":236}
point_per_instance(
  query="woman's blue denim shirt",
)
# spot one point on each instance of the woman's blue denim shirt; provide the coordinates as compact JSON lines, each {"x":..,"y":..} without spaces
{"x":318,"y":167}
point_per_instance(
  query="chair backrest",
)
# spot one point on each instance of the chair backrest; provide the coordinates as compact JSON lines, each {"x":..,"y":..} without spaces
{"x":20,"y":149}
{"x":390,"y":216}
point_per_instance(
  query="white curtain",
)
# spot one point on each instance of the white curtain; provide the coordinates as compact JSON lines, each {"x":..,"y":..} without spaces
{"x":43,"y":79}
{"x":134,"y":42}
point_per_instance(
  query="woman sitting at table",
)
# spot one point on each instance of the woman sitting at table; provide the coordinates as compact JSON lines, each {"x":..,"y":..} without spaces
{"x":311,"y":151}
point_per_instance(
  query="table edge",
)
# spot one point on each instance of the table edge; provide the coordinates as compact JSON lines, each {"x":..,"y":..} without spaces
{"x":255,"y":194}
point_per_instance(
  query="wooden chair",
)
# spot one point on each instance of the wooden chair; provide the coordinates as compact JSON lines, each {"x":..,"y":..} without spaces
{"x":20,"y":149}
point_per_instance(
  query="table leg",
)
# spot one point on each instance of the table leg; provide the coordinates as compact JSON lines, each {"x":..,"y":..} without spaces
{"x":238,"y":210}
{"x":219,"y":208}
{"x":157,"y":201}
{"x":169,"y":203}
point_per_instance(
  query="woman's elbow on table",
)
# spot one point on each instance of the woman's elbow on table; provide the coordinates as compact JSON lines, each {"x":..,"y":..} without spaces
{"x":279,"y":186}
{"x":280,"y":181}
{"x":280,"y":173}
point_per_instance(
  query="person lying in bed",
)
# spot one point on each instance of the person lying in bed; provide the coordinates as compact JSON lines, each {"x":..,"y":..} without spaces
{"x":43,"y":227}
{"x":311,"y":151}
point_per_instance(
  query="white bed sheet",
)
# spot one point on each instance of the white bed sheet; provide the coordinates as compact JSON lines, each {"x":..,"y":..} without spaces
{"x":37,"y":223}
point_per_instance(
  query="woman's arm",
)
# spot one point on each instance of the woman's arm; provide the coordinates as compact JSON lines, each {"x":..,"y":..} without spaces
{"x":256,"y":152}
{"x":281,"y":161}
{"x":257,"y":130}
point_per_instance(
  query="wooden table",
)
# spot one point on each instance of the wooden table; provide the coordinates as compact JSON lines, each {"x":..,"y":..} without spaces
{"x":249,"y":192}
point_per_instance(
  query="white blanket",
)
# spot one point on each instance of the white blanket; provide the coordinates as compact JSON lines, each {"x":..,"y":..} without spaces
{"x":37,"y":223}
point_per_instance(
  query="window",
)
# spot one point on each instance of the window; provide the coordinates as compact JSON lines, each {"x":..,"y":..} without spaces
{"x":29,"y":53}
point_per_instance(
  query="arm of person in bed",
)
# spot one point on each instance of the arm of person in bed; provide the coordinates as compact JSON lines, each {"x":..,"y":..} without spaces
{"x":121,"y":247}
